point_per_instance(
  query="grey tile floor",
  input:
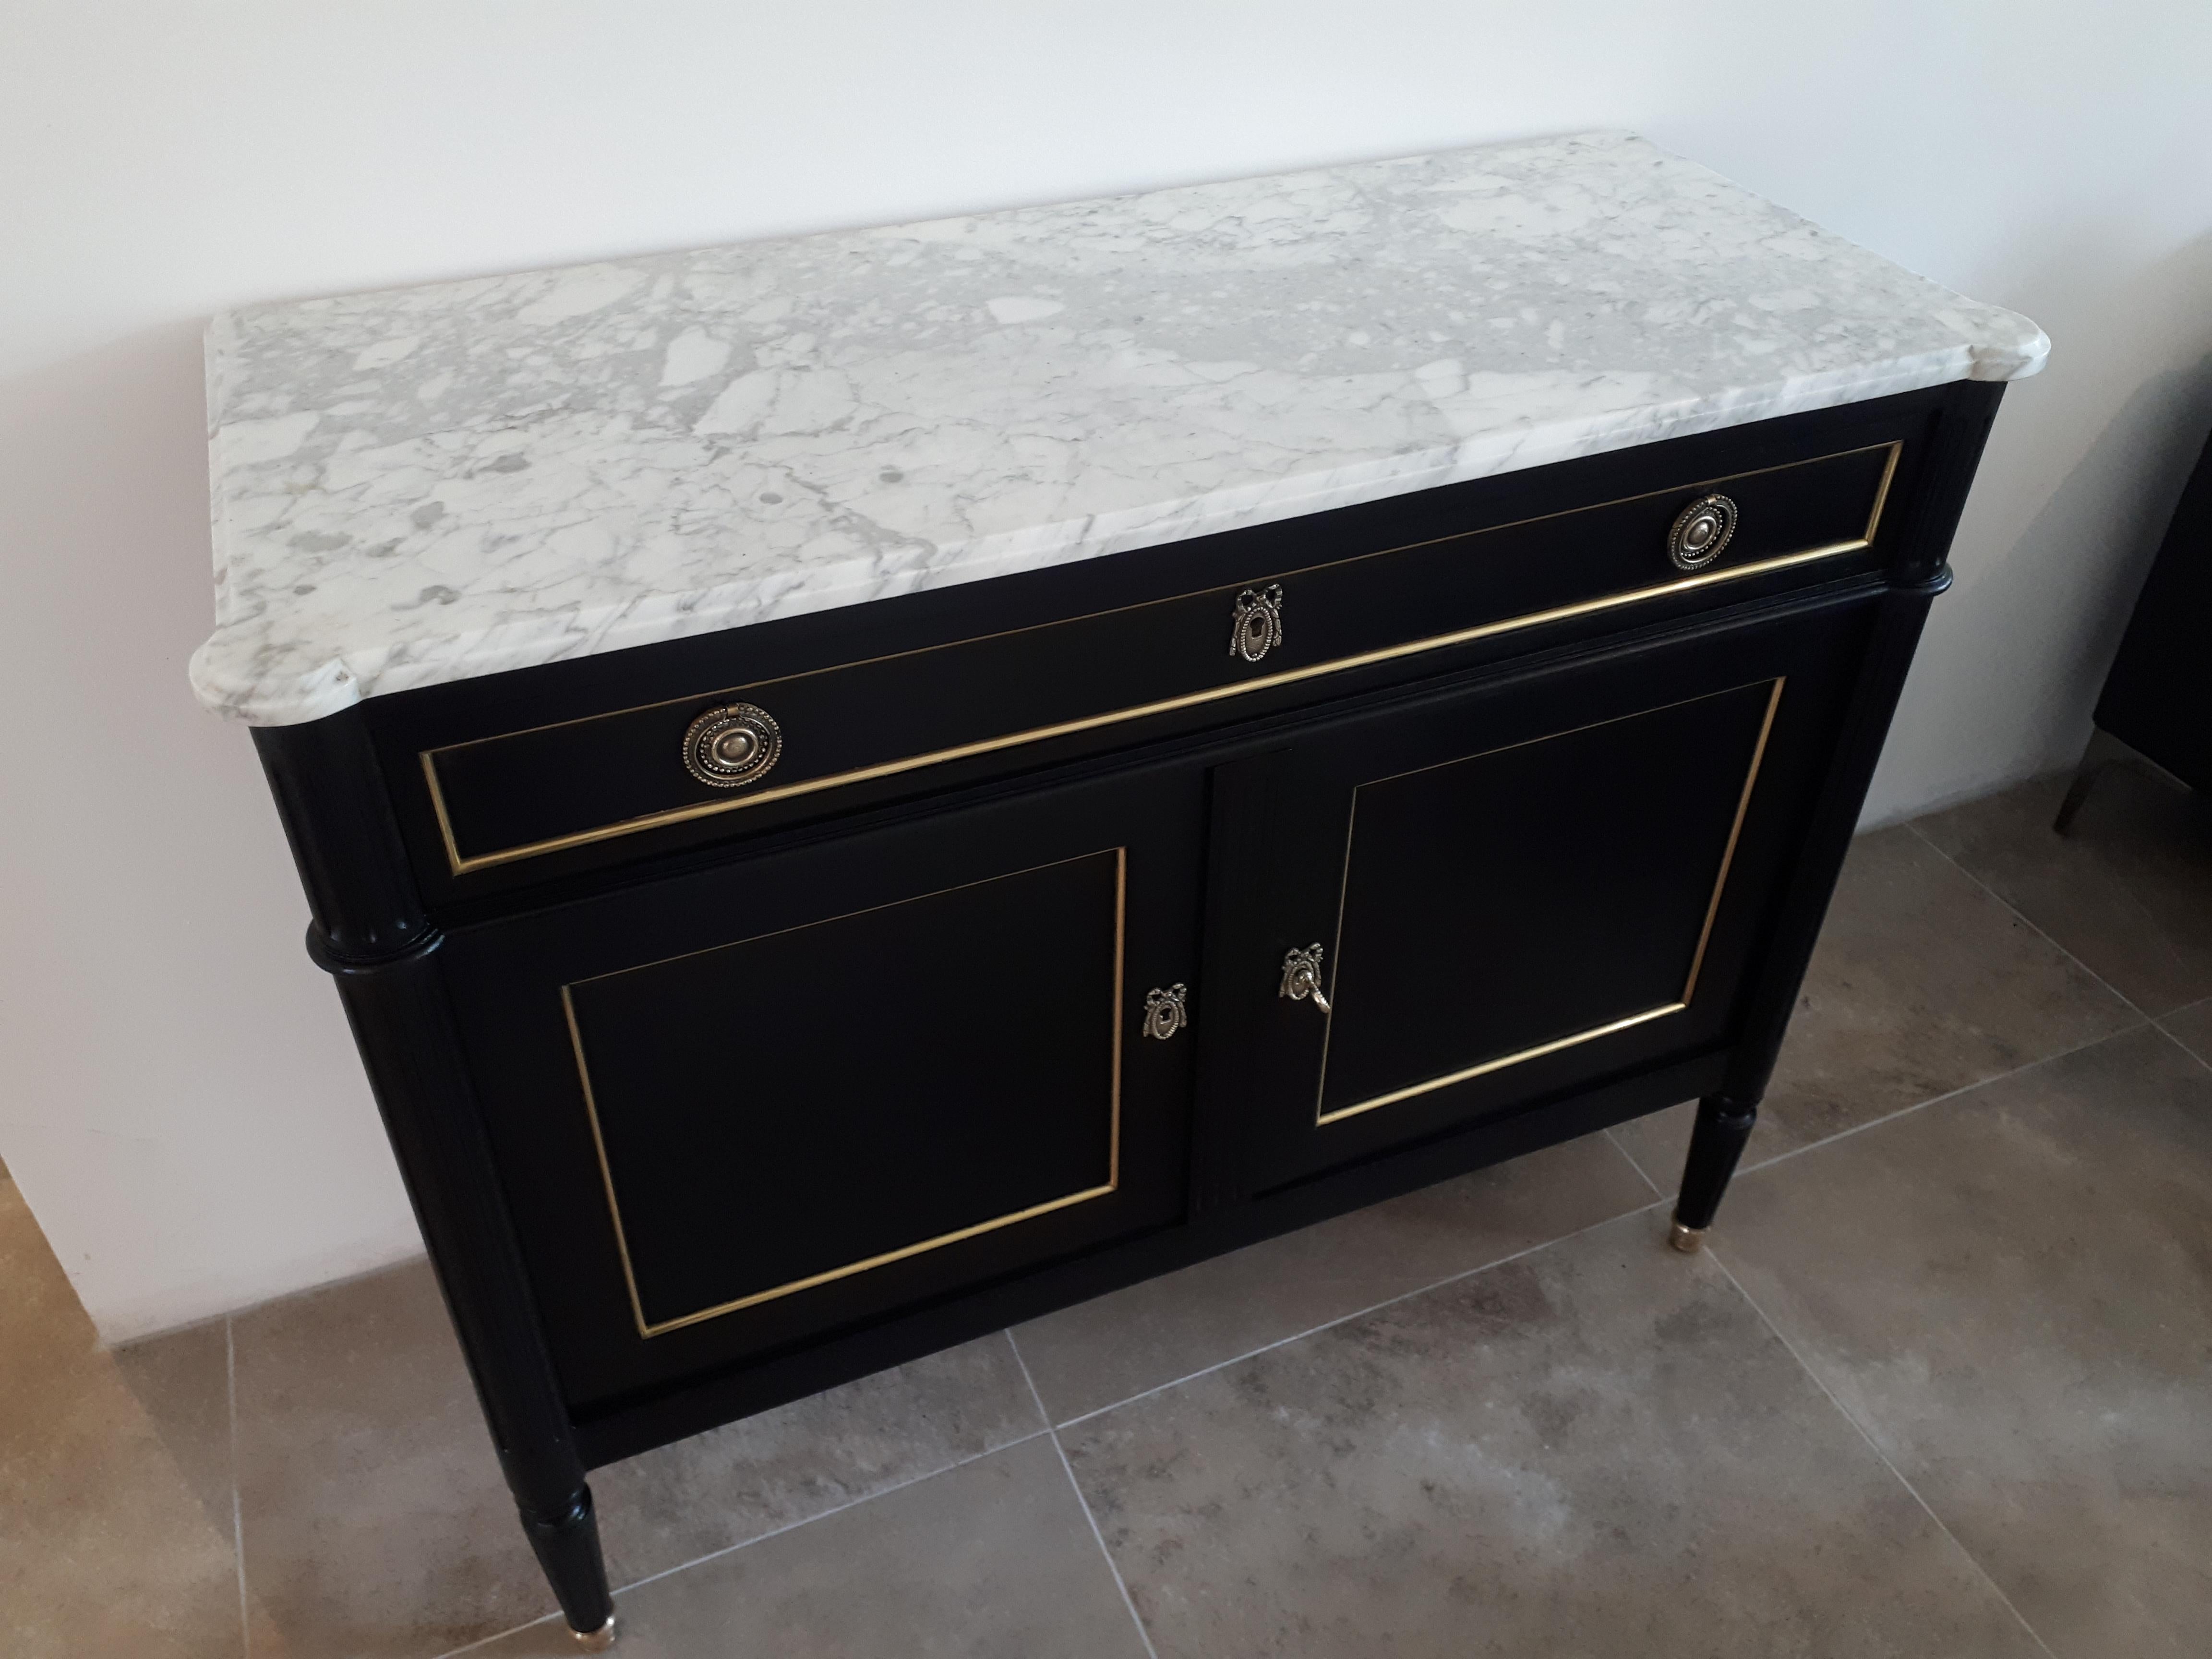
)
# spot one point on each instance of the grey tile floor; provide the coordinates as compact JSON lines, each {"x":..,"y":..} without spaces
{"x":1942,"y":1385}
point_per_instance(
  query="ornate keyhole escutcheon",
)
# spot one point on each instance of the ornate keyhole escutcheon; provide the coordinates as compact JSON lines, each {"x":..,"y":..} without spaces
{"x":1258,"y":626}
{"x":1701,"y":532}
{"x":731,"y":746}
{"x":1166,"y":1012}
{"x":1302,"y":977}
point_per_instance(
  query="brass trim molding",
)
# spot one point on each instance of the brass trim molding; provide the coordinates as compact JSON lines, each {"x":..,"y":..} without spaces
{"x":463,"y":865}
{"x":1735,"y":831}
{"x":1539,"y":1050}
{"x":1499,"y":1064}
{"x":649,"y":1329}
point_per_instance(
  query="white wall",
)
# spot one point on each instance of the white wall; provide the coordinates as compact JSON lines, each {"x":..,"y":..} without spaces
{"x":178,"y":1096}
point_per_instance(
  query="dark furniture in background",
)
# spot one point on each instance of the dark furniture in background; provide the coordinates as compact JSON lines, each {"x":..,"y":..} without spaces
{"x":754,"y":1010}
{"x":2156,"y":708}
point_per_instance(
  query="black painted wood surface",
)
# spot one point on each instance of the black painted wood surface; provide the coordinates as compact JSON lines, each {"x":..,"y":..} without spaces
{"x":704,"y":1118}
{"x":503,"y":795}
{"x":1496,"y":550}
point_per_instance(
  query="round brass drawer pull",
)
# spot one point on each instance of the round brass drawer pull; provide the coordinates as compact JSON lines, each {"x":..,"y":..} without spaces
{"x":1302,"y":977}
{"x":731,"y":746}
{"x":1166,"y":1012}
{"x":1257,"y":628}
{"x":1701,"y":532}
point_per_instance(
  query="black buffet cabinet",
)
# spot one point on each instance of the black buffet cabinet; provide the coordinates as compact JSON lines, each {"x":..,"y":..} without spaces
{"x":753,"y":1011}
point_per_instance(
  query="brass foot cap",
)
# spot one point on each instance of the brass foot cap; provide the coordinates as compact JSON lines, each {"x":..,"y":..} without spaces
{"x":596,"y":1641}
{"x":1688,"y":1240}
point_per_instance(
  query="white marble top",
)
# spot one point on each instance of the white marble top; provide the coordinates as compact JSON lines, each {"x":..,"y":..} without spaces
{"x":435,"y":483}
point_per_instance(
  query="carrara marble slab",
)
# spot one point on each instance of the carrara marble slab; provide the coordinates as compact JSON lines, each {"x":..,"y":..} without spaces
{"x":429,"y":483}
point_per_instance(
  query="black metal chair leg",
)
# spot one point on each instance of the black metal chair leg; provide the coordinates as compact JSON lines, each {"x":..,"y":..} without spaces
{"x":2103,"y":752}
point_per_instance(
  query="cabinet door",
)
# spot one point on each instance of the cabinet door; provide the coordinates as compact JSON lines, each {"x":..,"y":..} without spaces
{"x":1510,"y":892}
{"x":743,"y":1106}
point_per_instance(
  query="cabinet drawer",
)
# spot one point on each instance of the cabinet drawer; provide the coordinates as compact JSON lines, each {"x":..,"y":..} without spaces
{"x":510,"y":797}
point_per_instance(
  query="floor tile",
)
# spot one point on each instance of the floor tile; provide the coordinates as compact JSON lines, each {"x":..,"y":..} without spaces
{"x":1597,"y":1449}
{"x":115,"y":1514}
{"x":2191,"y":1027}
{"x":376,"y":1521}
{"x":1922,"y":983}
{"x":1106,"y":1350}
{"x":994,"y":1559}
{"x":810,"y":1456}
{"x":2013,"y":1291}
{"x":2128,"y":889}
{"x":181,"y":1382}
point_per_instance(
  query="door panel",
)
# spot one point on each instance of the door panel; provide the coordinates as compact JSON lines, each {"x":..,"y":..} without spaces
{"x":739,"y":1082}
{"x":742,"y":1107}
{"x":1634,"y":819}
{"x":1516,"y":890}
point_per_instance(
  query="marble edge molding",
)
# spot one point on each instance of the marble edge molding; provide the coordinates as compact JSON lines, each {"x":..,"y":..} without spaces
{"x":236,"y":683}
{"x":334,"y":685}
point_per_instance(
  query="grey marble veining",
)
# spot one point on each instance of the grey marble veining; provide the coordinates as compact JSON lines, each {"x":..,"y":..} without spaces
{"x":430,"y":483}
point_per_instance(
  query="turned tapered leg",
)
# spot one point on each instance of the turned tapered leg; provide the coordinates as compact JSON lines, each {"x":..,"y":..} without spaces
{"x":566,"y":1541}
{"x":1723,"y":1125}
{"x":371,"y":935}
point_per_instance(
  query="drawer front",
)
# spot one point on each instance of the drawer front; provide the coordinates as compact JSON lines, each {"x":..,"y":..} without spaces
{"x":1467,"y":905}
{"x":738,"y":1109}
{"x":525,"y":793}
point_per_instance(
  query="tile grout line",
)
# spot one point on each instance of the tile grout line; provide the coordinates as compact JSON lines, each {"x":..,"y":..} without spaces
{"x":2021,"y":916}
{"x":2127,"y":892}
{"x":2159,"y":1026}
{"x":2146,"y":1023}
{"x":758,"y":1538}
{"x":1874,"y":1446}
{"x":1948,"y":1094}
{"x":1357,"y":1313}
{"x":1051,"y":1429}
{"x":1633,"y":1164}
{"x":2143,"y":1019}
{"x":838,"y":1508}
{"x":237,"y":1507}
{"x":1083,"y":1502}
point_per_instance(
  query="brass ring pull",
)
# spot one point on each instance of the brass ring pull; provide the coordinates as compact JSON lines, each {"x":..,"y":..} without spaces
{"x":1701,"y":532}
{"x":731,"y":746}
{"x":1302,"y":977}
{"x":1166,"y":1012}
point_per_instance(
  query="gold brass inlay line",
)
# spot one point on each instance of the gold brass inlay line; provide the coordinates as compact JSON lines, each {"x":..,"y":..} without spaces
{"x":1114,"y":1111}
{"x":1881,"y":489}
{"x":1697,"y":956}
{"x":1735,"y":830}
{"x":1501,"y":1062}
{"x":462,"y":865}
